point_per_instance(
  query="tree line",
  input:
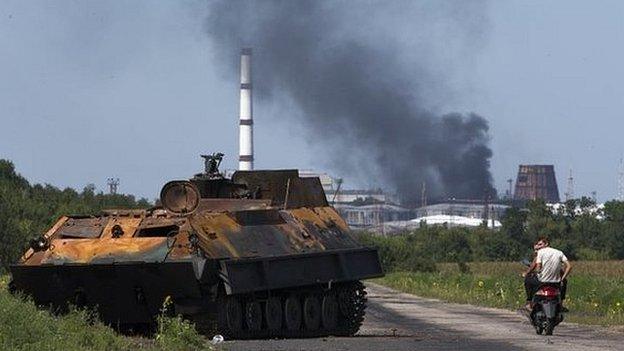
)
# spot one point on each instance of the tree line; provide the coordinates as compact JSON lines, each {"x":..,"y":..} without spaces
{"x":28,"y":210}
{"x":578,"y":228}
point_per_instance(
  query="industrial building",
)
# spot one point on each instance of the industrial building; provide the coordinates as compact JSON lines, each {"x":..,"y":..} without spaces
{"x":367,"y":216}
{"x":464,"y":208}
{"x":536,"y":182}
{"x":361,"y":208}
{"x":338,"y":195}
{"x":374,"y":209}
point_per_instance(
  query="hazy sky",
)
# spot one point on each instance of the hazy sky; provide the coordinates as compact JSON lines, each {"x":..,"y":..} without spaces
{"x":130,"y":89}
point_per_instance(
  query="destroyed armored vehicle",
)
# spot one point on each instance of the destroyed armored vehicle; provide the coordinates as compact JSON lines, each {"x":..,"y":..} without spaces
{"x":262,"y":254}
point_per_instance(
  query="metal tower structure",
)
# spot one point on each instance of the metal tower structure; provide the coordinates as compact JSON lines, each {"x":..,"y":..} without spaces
{"x":620,"y":180}
{"x":569,"y":194}
{"x":113,"y":183}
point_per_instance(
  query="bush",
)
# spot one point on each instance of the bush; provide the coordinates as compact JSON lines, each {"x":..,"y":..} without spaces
{"x":25,"y":327}
{"x":176,"y":333}
{"x":399,"y":253}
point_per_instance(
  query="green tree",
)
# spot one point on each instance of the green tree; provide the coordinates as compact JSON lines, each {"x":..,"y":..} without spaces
{"x":613,"y":228}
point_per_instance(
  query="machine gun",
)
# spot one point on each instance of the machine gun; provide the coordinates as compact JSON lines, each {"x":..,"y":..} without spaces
{"x":211,"y":165}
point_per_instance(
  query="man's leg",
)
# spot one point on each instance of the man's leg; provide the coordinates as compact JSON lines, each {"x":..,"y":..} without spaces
{"x":531,"y":284}
{"x":563,"y":290}
{"x":528,"y":288}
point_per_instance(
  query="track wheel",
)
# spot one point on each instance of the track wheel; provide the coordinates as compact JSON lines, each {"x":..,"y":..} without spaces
{"x":329,"y":312}
{"x":292,"y":313}
{"x":352,"y":306}
{"x":311,"y":313}
{"x":253,"y":315}
{"x":231,"y":316}
{"x":273,"y":314}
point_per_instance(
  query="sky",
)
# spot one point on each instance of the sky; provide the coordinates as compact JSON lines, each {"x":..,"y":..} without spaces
{"x":133,"y":90}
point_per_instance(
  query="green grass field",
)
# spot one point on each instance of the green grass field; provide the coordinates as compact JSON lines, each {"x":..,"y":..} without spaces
{"x":23,"y":326}
{"x":595,"y":289}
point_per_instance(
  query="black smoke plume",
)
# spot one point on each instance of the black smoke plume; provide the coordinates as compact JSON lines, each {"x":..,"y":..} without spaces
{"x":356,"y":97}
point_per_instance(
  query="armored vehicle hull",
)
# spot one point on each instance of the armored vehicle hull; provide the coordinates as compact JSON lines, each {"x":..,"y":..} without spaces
{"x":258,"y":255}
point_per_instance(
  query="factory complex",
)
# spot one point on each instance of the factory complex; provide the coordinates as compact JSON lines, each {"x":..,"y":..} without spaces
{"x":376,"y":209}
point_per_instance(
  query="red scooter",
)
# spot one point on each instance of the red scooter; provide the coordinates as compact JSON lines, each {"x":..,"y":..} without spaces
{"x":547,"y":311}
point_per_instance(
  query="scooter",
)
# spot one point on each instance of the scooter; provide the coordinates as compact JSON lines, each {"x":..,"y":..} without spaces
{"x":546,"y":312}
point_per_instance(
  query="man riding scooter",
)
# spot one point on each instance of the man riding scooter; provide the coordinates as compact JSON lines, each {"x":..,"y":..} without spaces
{"x":549,"y":267}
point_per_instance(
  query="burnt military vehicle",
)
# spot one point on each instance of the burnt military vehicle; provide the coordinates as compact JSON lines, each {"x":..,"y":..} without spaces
{"x":259,"y":255}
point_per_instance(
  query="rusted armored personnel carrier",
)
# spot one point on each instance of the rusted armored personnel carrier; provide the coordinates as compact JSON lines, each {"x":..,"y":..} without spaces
{"x":259,"y":255}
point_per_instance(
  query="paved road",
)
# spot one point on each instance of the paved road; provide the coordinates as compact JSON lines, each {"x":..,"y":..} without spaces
{"x":398,"y":321}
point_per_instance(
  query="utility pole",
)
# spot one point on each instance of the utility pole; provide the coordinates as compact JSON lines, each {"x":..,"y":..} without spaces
{"x":113,"y":183}
{"x":620,"y":194}
{"x":486,"y":208}
{"x":423,"y":199}
{"x":337,"y":192}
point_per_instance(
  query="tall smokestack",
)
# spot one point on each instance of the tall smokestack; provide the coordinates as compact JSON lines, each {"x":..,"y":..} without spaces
{"x":245,"y":154}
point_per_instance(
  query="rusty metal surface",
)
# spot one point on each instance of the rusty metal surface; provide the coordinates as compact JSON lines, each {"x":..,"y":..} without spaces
{"x":180,"y":197}
{"x":135,"y":237}
{"x":277,"y":272}
{"x":271,"y":232}
{"x":222,"y":205}
{"x":301,"y":222}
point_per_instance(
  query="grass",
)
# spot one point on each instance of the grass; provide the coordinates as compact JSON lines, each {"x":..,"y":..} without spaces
{"x":23,"y":326}
{"x":595,"y":289}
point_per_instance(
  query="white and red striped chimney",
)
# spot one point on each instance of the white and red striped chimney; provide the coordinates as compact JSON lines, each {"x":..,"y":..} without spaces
{"x":245,"y":154}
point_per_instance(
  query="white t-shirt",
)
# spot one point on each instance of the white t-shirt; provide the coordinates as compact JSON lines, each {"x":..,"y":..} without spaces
{"x":551,"y":261}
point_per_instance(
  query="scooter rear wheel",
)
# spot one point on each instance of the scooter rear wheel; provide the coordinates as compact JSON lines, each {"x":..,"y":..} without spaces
{"x":550,"y":326}
{"x":539,"y":329}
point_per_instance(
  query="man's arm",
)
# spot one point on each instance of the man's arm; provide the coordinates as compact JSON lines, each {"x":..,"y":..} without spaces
{"x":532,"y":267}
{"x":566,"y":270}
{"x":536,"y":265}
